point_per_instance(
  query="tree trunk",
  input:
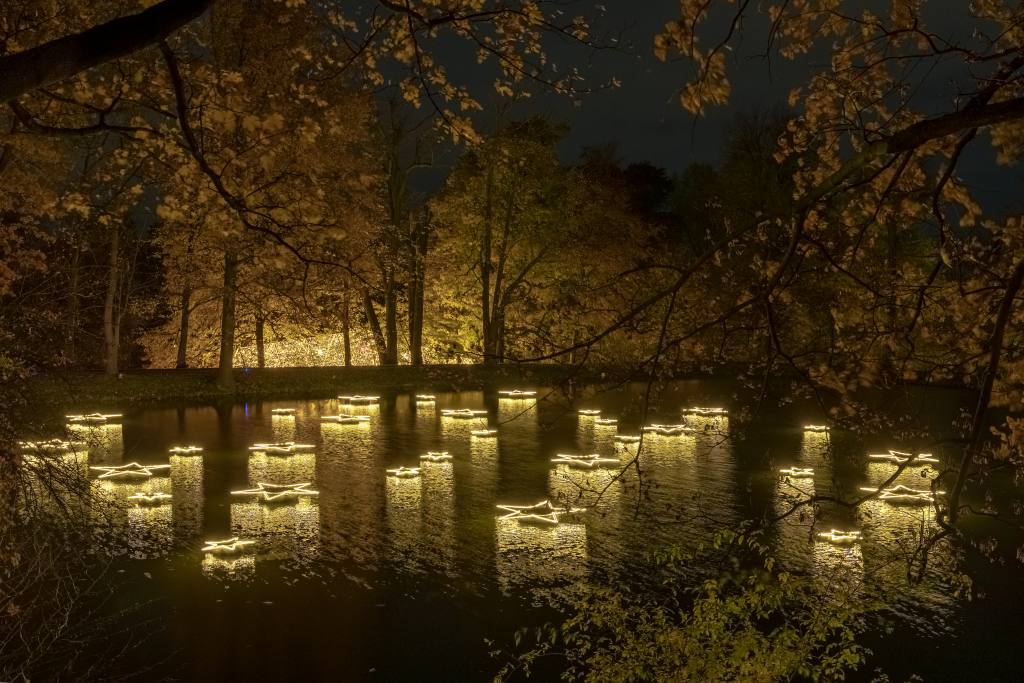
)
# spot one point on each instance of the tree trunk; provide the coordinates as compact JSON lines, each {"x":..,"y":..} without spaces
{"x":346,"y":329}
{"x":74,"y":308}
{"x":498,"y":323}
{"x":225,"y":376}
{"x":485,"y":273}
{"x":261,"y":356}
{"x":391,"y":321}
{"x":374,"y":323}
{"x":416,"y":292}
{"x":186,"y":302}
{"x":110,"y":336}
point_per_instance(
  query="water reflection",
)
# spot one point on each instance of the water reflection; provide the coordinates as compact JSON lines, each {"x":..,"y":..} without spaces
{"x":530,"y":556}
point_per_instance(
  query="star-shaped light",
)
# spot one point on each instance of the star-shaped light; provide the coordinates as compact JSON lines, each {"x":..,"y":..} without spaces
{"x":707,"y":412}
{"x":436,"y":456}
{"x":463,"y":413}
{"x":797,"y":472}
{"x":626,"y":438}
{"x":404,"y":472}
{"x":186,"y":450}
{"x":588,"y":412}
{"x":283,"y":411}
{"x":815,"y":428}
{"x":606,"y":421}
{"x":280,"y":447}
{"x":156,"y":498}
{"x":274,"y":493}
{"x":543,"y":513}
{"x":359,"y":399}
{"x":228,"y":546}
{"x":484,"y":433}
{"x":425,"y":398}
{"x":905,"y":494}
{"x":346,"y":419}
{"x":668,"y":430}
{"x":52,"y":445}
{"x":590,"y":461}
{"x":839,"y":537}
{"x":516,"y":393}
{"x":899,"y":457}
{"x":130,"y":471}
{"x":92,"y":418}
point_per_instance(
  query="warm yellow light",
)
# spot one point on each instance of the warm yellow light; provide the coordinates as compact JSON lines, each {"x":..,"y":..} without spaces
{"x":272,"y":493}
{"x":280,"y":447}
{"x":839,"y":537}
{"x":797,"y":472}
{"x":668,"y":430}
{"x":186,"y":450}
{"x":346,"y":419}
{"x":815,"y":428}
{"x":698,"y":410}
{"x":516,"y":394}
{"x":57,"y":445}
{"x":484,"y":432}
{"x":404,"y":472}
{"x":626,"y":438}
{"x":588,"y":412}
{"x":92,"y":418}
{"x":283,"y":411}
{"x":128,"y":471}
{"x":156,"y":498}
{"x":899,"y":457}
{"x":590,"y":461}
{"x":904,"y":494}
{"x":228,"y":546}
{"x":606,"y":421}
{"x":436,"y":456}
{"x":359,"y":399}
{"x":425,"y":398}
{"x":463,"y":413}
{"x":543,"y":513}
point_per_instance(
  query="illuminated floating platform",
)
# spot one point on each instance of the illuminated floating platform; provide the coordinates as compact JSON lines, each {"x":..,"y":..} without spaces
{"x":900,"y":458}
{"x":436,"y":456}
{"x":229,"y":546}
{"x":132,"y":470}
{"x":668,"y":430}
{"x":542,"y":513}
{"x":404,"y":472}
{"x":839,"y":537}
{"x":588,"y":412}
{"x":797,"y":472}
{"x":589,"y":461}
{"x":905,"y":494}
{"x":463,"y":413}
{"x":186,"y":450}
{"x":149,"y":499}
{"x":816,"y":428}
{"x":283,"y":412}
{"x":358,"y":399}
{"x":484,"y":433}
{"x":425,"y":398}
{"x":705,"y":412}
{"x":278,"y":493}
{"x":626,"y":438}
{"x":49,"y":445}
{"x":280,"y":448}
{"x":606,"y":421}
{"x":93,"y":418}
{"x":346,"y":419}
{"x":516,"y":394}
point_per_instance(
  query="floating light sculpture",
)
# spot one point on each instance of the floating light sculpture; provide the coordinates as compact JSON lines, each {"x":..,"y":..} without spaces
{"x":905,"y":494}
{"x":816,"y":428}
{"x":463,"y":413}
{"x":404,"y":472}
{"x":280,"y":447}
{"x":275,"y":493}
{"x":626,"y":438}
{"x":517,"y":393}
{"x":899,"y":457}
{"x":156,"y":498}
{"x":589,"y":461}
{"x":358,"y":399}
{"x":92,"y":418}
{"x":668,"y":430}
{"x":484,"y":432}
{"x":543,"y":513}
{"x":186,"y":450}
{"x":131,"y":470}
{"x":606,"y":421}
{"x":346,"y":419}
{"x":229,"y":546}
{"x":587,"y":412}
{"x":53,"y":445}
{"x":797,"y":472}
{"x":436,"y":456}
{"x":283,"y":411}
{"x":425,"y":398}
{"x":839,"y":537}
{"x":707,"y":412}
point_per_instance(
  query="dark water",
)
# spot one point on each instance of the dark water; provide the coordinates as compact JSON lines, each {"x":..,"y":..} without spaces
{"x":380,"y":578}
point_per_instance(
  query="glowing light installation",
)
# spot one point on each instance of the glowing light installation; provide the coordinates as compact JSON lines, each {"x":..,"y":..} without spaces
{"x":626,"y":438}
{"x":815,"y":428}
{"x":839,"y":537}
{"x":436,"y":456}
{"x":899,"y":457}
{"x":280,"y":447}
{"x":156,"y":498}
{"x":905,"y":494}
{"x":425,"y":398}
{"x":606,"y":421}
{"x":463,"y":413}
{"x":275,"y":493}
{"x":404,"y":472}
{"x":229,"y":546}
{"x":586,"y":412}
{"x":797,"y":472}
{"x":517,"y":393}
{"x":707,"y":412}
{"x":131,"y":470}
{"x":543,"y":513}
{"x":358,"y":399}
{"x":346,"y":419}
{"x":283,"y":411}
{"x":484,"y":432}
{"x":590,"y":461}
{"x":668,"y":430}
{"x":186,"y":450}
{"x":92,"y":418}
{"x":56,"y":445}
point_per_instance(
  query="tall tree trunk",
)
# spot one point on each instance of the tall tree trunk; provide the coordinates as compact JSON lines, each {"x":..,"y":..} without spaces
{"x":261,"y":356}
{"x":416,"y":292}
{"x":346,"y":329}
{"x":485,"y":272}
{"x":390,"y":321}
{"x":110,"y":336}
{"x":498,"y":323}
{"x":225,"y":376}
{"x":186,"y":302}
{"x":374,"y":323}
{"x":74,"y":308}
